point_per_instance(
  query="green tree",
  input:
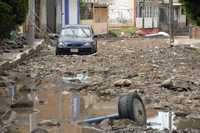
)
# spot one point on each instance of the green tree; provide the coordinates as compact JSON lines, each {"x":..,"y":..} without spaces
{"x":12,"y":14}
{"x":192,"y":10}
{"x":83,"y":7}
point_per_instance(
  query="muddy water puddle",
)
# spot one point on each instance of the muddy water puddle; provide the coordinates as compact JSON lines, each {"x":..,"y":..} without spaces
{"x":58,"y":111}
{"x":168,"y":120}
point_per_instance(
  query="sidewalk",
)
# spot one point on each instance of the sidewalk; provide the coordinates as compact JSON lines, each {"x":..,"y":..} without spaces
{"x":9,"y":60}
{"x":186,"y":41}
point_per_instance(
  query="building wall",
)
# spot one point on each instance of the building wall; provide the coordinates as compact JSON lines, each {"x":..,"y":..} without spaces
{"x":61,"y":13}
{"x":150,"y":11}
{"x":51,"y":15}
{"x":71,"y":12}
{"x":121,"y":12}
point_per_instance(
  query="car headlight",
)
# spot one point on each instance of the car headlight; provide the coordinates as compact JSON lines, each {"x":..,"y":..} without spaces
{"x":61,"y":44}
{"x":87,"y":44}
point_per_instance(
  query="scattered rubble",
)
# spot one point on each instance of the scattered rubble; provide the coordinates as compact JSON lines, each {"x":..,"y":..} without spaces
{"x":7,"y":45}
{"x":166,"y":77}
{"x":24,"y":101}
{"x":48,"y":123}
{"x":122,"y":83}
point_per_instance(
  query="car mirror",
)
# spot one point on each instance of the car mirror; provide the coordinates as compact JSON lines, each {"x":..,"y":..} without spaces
{"x":53,"y":36}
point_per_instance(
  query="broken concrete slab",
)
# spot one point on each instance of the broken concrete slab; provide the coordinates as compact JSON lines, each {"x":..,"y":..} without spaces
{"x":17,"y":58}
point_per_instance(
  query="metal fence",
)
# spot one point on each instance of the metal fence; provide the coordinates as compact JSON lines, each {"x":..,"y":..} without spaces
{"x":121,"y":16}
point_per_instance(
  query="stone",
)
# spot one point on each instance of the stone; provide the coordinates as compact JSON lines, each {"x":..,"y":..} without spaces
{"x":168,"y":83}
{"x":105,"y":124}
{"x":3,"y":84}
{"x":49,"y":123}
{"x":122,"y":83}
{"x":7,"y":51}
{"x":8,"y":117}
{"x":2,"y":91}
{"x":87,"y":129}
{"x":24,"y":102}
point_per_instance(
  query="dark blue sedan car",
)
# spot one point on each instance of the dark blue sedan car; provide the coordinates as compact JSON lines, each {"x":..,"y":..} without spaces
{"x":76,"y":39}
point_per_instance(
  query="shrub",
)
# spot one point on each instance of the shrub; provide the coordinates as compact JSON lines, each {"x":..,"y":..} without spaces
{"x":12,"y":14}
{"x":192,"y":10}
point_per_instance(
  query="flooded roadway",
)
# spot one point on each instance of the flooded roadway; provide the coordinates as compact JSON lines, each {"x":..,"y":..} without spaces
{"x":58,"y":111}
{"x":58,"y":105}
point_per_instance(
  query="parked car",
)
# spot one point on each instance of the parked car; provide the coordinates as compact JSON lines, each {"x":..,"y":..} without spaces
{"x":76,"y":39}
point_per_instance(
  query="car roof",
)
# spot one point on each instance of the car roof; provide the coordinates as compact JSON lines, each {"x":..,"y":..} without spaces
{"x":77,"y":25}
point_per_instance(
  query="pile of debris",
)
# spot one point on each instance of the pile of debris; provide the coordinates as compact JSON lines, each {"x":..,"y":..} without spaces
{"x":7,"y":45}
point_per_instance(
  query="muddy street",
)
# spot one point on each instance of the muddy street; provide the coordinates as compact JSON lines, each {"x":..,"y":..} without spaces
{"x":68,"y":89}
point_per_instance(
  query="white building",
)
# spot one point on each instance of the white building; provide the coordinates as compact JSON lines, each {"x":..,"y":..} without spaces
{"x":61,"y":13}
{"x":121,"y":12}
{"x":155,"y":14}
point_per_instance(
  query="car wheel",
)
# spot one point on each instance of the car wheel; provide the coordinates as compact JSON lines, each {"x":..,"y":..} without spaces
{"x":95,"y":49}
{"x":131,"y":106}
{"x":137,"y":109}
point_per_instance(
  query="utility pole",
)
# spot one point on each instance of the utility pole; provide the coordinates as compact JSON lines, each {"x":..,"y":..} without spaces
{"x":171,"y":21}
{"x":31,"y":22}
{"x":143,"y":13}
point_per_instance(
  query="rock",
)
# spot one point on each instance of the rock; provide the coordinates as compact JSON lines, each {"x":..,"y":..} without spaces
{"x":168,"y":83}
{"x":27,"y":88}
{"x":11,"y":129}
{"x":122,"y":83}
{"x":181,"y":114}
{"x":8,"y":117}
{"x":7,"y":51}
{"x":48,"y":123}
{"x":179,"y":84}
{"x":90,"y":130}
{"x":24,"y":102}
{"x":4,"y":102}
{"x":3,"y":84}
{"x":39,"y":130}
{"x":193,"y":116}
{"x":177,"y":100}
{"x":2,"y":91}
{"x":105,"y":124}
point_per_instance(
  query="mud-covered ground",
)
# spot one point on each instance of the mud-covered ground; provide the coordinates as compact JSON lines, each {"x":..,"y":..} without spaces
{"x":145,"y":64}
{"x":166,"y":77}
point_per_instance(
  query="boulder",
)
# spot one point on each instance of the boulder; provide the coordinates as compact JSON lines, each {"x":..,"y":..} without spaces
{"x":168,"y":83}
{"x":105,"y":124}
{"x":48,"y":123}
{"x":24,"y":102}
{"x":122,"y":83}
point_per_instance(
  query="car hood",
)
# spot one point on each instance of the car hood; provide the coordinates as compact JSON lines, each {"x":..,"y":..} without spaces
{"x":75,"y":40}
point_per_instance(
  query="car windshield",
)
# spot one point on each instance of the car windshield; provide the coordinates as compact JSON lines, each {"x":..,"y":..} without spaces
{"x":76,"y":32}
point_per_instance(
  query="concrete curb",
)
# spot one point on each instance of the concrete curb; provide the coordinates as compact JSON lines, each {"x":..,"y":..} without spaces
{"x":192,"y":43}
{"x":25,"y":55}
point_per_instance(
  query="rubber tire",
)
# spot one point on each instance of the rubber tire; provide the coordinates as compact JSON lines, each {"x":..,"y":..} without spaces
{"x":122,"y":107}
{"x":132,"y":112}
{"x":39,"y":130}
{"x":126,"y":108}
{"x":94,"y":50}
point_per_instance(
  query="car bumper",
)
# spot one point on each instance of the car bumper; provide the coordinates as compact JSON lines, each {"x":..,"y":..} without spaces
{"x":69,"y":51}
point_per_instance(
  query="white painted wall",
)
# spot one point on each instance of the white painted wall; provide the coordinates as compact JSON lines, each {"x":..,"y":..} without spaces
{"x":63,"y":13}
{"x":148,"y":22}
{"x":73,"y":12}
{"x":121,"y":10}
